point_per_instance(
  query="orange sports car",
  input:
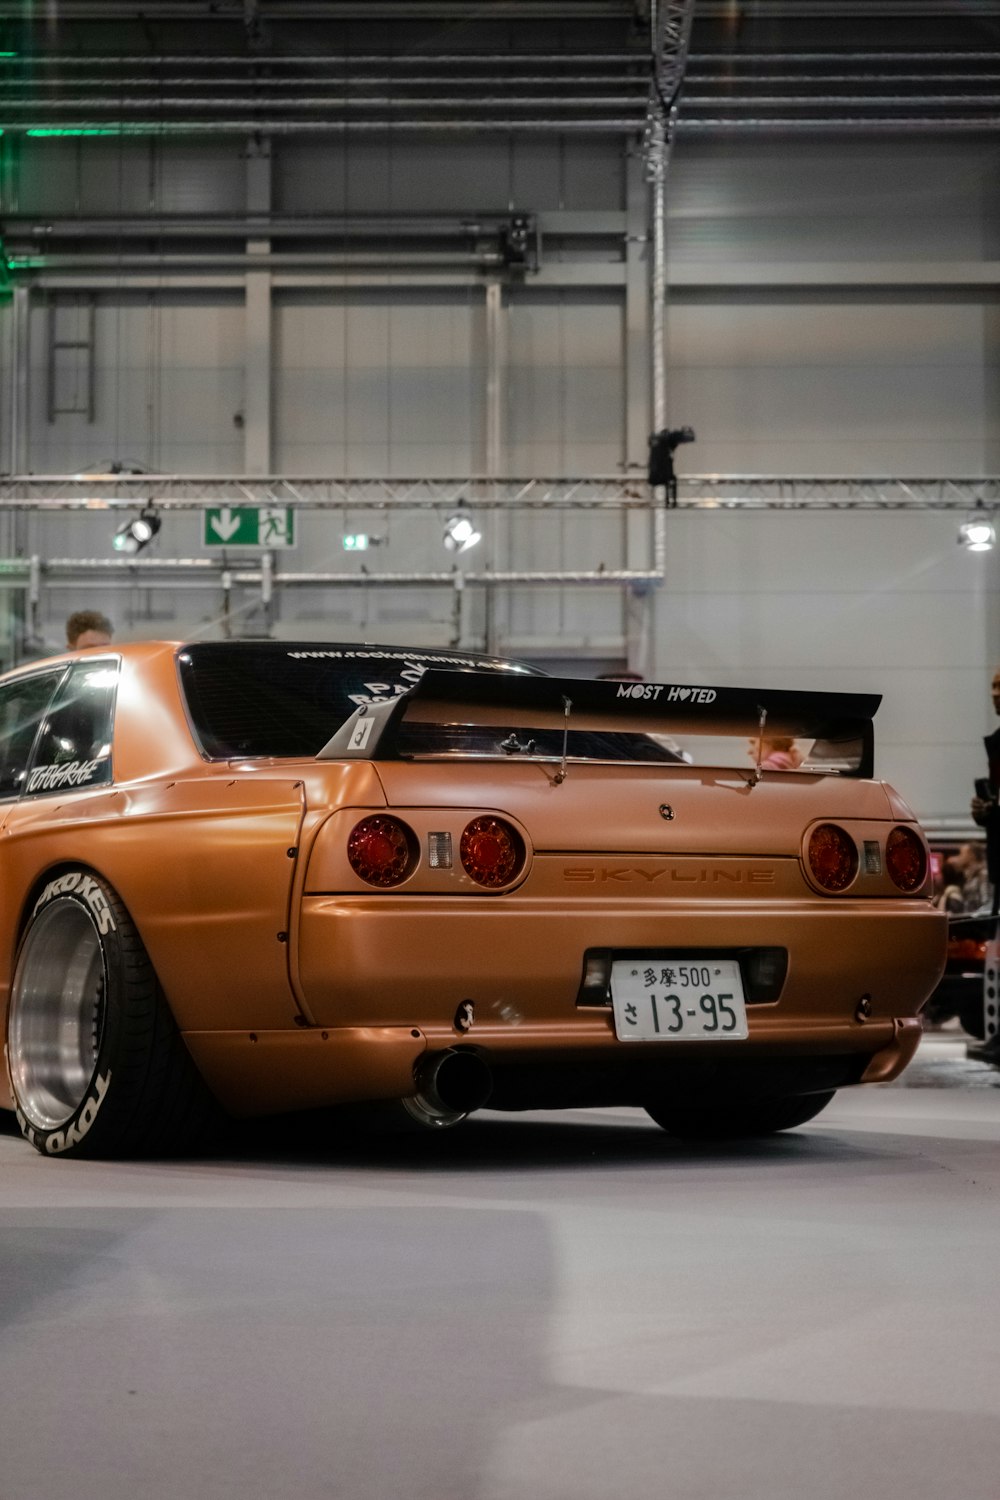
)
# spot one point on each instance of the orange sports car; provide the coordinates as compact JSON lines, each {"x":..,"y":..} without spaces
{"x":250,"y":877}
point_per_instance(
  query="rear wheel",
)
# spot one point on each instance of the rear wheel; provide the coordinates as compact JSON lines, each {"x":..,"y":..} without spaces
{"x":97,"y":1065}
{"x":973,"y":1020}
{"x":738,"y":1120}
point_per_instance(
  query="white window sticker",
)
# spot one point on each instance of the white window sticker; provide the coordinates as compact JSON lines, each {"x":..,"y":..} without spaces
{"x":73,"y":773}
{"x":362,"y":733}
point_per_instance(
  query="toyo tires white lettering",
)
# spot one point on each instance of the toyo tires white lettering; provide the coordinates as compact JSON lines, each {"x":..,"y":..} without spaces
{"x":86,"y":887}
{"x":76,"y":1130}
{"x":97,"y":1066}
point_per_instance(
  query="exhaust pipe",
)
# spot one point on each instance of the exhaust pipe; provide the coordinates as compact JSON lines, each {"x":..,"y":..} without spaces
{"x":450,"y":1085}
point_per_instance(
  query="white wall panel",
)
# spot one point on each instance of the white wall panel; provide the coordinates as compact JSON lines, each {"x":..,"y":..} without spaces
{"x":565,"y":399}
{"x":879,"y":602}
{"x":120,"y":176}
{"x":191,"y":178}
{"x":455,"y":177}
{"x":47,"y":177}
{"x":168,"y":385}
{"x":845,"y":199}
{"x":365,"y":175}
{"x":592,"y":174}
{"x":536,"y":173}
{"x":818,"y":331}
{"x":311,"y":176}
{"x":787,"y":390}
{"x":379,"y":383}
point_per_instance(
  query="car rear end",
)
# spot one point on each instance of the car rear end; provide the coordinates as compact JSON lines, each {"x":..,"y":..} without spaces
{"x":593,"y":897}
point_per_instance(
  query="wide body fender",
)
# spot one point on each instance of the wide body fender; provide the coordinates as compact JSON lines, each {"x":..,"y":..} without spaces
{"x":206,"y":869}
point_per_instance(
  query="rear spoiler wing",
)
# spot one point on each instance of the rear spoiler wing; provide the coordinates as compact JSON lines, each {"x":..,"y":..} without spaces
{"x":372,"y":731}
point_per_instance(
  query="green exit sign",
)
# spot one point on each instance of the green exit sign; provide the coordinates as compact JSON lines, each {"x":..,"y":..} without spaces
{"x":249,"y":526}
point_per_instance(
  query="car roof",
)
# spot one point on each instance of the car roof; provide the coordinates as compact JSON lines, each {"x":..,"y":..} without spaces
{"x":139,"y":650}
{"x":153,"y":730}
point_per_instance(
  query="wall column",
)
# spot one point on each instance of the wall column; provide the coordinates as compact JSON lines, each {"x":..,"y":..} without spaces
{"x":258,"y":322}
{"x":494,"y":524}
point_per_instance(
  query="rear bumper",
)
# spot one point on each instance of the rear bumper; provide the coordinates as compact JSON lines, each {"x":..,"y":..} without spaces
{"x":259,"y":1073}
{"x":395,"y":960}
{"x":383,"y":981}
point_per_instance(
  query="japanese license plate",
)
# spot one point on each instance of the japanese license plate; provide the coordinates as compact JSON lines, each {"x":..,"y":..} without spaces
{"x":678,"y":1000}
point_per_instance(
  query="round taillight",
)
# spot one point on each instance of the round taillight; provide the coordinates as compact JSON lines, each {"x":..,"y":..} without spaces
{"x":381,"y":850}
{"x":906,"y":859}
{"x":833,"y":857}
{"x":492,"y":852}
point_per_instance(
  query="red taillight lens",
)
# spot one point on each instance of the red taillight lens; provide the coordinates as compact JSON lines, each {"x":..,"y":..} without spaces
{"x":381,"y":850}
{"x":906,"y":859}
{"x":833,"y":857}
{"x":492,"y":852}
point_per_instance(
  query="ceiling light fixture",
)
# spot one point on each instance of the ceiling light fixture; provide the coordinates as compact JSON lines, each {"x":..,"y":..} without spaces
{"x":460,"y":530}
{"x":978,"y":534}
{"x":137,"y":532}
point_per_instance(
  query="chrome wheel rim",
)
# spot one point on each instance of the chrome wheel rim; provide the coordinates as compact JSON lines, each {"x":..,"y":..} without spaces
{"x":56,"y":1015}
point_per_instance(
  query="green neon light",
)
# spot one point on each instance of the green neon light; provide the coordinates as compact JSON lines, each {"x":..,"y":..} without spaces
{"x":89,"y":130}
{"x":10,"y":54}
{"x":40,"y":131}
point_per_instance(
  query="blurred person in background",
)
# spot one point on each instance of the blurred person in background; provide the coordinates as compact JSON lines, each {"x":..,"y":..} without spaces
{"x":970,"y":861}
{"x":986,"y":810}
{"x":88,"y":627}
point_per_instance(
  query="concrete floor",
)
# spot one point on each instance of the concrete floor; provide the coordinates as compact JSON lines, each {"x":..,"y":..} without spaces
{"x":535,"y":1308}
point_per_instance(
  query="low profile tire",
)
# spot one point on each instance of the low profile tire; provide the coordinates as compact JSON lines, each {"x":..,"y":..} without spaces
{"x":739,"y":1121}
{"x":97,"y":1065}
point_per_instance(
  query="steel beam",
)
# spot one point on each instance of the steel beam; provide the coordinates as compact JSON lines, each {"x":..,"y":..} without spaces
{"x":195,"y":492}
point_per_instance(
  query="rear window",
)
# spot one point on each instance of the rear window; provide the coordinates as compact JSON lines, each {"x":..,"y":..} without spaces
{"x":276,"y":699}
{"x":272,"y":700}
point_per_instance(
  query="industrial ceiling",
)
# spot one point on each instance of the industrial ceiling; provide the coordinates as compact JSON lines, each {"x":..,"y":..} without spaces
{"x":309,"y":67}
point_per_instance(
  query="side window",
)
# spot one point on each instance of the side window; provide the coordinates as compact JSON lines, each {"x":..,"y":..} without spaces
{"x":22,"y":709}
{"x":74,"y":748}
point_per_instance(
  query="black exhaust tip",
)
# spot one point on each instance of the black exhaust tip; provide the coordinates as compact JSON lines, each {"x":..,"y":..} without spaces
{"x":459,"y":1080}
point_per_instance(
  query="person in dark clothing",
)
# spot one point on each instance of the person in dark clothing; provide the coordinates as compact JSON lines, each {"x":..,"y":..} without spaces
{"x":986,"y":811}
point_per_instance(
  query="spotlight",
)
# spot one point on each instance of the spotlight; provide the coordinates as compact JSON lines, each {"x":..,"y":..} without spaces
{"x":136,"y":533}
{"x":460,"y":531}
{"x":662,"y":447}
{"x":977,"y":534}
